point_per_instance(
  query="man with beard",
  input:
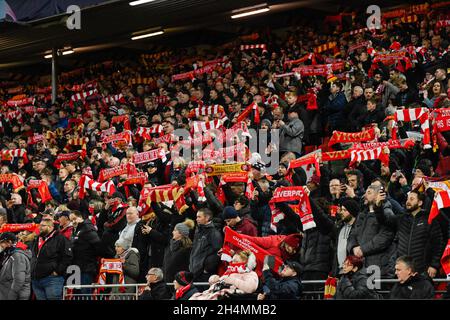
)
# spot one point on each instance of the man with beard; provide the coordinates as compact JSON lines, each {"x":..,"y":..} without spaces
{"x":416,"y":238}
{"x":369,"y":238}
{"x":51,"y":255}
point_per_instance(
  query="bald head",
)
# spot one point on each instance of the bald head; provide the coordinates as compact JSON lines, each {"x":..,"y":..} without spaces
{"x":132,"y":214}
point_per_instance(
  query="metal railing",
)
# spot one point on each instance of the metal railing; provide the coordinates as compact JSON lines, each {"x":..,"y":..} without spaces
{"x":314,"y":294}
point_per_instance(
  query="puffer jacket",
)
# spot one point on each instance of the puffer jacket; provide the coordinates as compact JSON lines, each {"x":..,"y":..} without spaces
{"x":247,"y":282}
{"x":418,"y":239}
{"x":354,"y":286}
{"x":15,"y":275}
{"x":374,"y":238}
{"x":207,"y":242}
{"x":289,"y":288}
{"x":416,"y":287}
{"x":86,"y":247}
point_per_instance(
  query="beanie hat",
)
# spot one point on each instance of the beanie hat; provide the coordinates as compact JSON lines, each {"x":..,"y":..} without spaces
{"x":267,"y":121}
{"x":352,"y":206}
{"x":183,"y":229}
{"x":229,"y":213}
{"x":184,"y":278}
{"x":293,"y":240}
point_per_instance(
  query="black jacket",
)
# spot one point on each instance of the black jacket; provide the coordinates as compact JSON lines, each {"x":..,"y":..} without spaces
{"x":316,"y":250}
{"x":86,"y":247}
{"x":159,"y":291}
{"x":418,"y":239}
{"x":375,"y":238}
{"x":289,"y":288}
{"x":176,"y":258}
{"x":354,"y":286}
{"x":416,"y":287}
{"x":55,"y":256}
{"x":207,"y":242}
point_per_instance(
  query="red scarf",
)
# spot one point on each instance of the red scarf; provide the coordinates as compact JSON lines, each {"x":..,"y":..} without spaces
{"x":233,"y":240}
{"x":12,"y":178}
{"x":346,"y":137}
{"x":391,"y":144}
{"x":18,"y":227}
{"x":149,"y":156}
{"x":182,"y":291}
{"x":310,"y":158}
{"x":235,"y":177}
{"x":66,"y":157}
{"x":125,"y":119}
{"x":244,"y":115}
{"x":107,"y":174}
{"x":43,"y":190}
{"x":303,"y":207}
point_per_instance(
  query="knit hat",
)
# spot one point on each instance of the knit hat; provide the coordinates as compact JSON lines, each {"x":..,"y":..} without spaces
{"x":8,"y":236}
{"x":267,"y":122}
{"x":183,"y":229}
{"x":352,"y":206}
{"x":293,"y":240}
{"x":258,"y":166}
{"x":184,"y":278}
{"x":123,"y":244}
{"x":229,"y":213}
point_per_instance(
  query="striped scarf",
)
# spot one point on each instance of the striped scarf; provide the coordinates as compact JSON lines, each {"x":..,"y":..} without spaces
{"x":203,"y":126}
{"x":145,"y":132}
{"x":370,"y":154}
{"x":15,"y":153}
{"x":90,"y":184}
{"x":207,"y":111}
{"x":302,"y":207}
{"x":416,"y":114}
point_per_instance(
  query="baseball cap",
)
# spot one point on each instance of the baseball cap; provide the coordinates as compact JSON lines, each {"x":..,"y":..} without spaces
{"x":8,"y":236}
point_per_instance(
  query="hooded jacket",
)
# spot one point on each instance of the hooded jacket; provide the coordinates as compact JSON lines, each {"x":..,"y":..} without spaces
{"x":15,"y":275}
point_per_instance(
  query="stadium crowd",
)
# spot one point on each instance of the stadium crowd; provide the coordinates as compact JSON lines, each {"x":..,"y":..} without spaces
{"x":93,"y":181}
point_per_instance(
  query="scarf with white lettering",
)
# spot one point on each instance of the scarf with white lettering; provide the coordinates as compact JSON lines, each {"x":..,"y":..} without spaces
{"x":346,"y":137}
{"x":302,"y":206}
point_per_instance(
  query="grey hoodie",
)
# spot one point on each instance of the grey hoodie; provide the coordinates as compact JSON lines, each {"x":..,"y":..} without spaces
{"x":15,"y":276}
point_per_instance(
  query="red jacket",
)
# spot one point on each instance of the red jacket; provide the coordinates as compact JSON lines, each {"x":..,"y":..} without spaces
{"x":245,"y":226}
{"x":67,"y":232}
{"x":271,"y":244}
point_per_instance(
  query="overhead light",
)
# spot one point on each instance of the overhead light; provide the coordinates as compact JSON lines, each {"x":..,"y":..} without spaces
{"x":249,"y":11}
{"x":63,"y":53}
{"x":147,"y":35}
{"x":138,"y":2}
{"x":67,"y":52}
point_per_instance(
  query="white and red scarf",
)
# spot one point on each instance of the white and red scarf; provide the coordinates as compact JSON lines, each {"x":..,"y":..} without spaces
{"x":417,"y":114}
{"x":90,"y":184}
{"x":253,"y":46}
{"x":149,"y":156}
{"x":292,"y":194}
{"x":205,"y":126}
{"x":369,"y":154}
{"x":145,"y":132}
